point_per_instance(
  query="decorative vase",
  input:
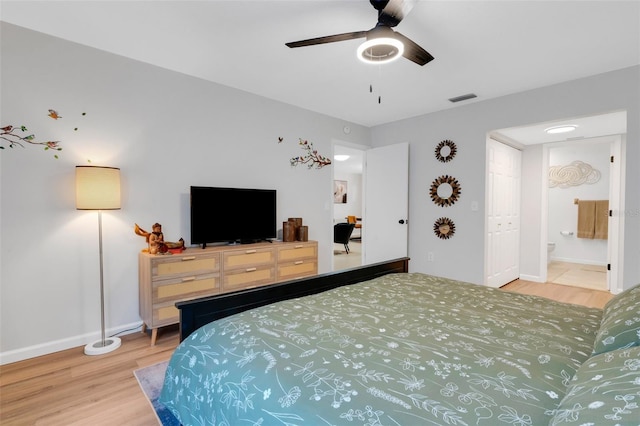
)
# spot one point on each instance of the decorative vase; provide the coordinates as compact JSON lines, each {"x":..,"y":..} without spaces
{"x":297,"y":223}
{"x":303,"y":233}
{"x":288,"y":231}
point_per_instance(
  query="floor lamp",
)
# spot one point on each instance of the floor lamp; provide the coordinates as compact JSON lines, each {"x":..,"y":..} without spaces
{"x":98,"y":188}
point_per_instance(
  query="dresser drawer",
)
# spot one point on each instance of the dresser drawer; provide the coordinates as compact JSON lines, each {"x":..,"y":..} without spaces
{"x":178,"y":265}
{"x":297,"y":251}
{"x":165,"y":280}
{"x":297,"y":269}
{"x":239,"y":279}
{"x":248,"y":258}
{"x":186,"y":286}
{"x":165,"y":314}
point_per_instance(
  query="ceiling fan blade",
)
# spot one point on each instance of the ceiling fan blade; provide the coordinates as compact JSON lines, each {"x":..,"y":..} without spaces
{"x":413,"y":52}
{"x":395,"y":11}
{"x":328,"y":39}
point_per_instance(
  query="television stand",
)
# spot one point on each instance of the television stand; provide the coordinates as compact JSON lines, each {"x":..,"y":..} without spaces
{"x":255,"y":241}
{"x":165,"y":280}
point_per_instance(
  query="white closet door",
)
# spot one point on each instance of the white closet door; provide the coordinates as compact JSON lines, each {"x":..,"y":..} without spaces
{"x":502,"y":246}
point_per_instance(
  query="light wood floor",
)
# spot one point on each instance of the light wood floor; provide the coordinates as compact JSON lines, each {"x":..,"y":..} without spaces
{"x":561,"y":293}
{"x":69,"y":388}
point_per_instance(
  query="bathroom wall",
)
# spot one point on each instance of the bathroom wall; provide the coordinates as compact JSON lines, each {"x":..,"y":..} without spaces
{"x":563,"y":213}
{"x":353,"y":206}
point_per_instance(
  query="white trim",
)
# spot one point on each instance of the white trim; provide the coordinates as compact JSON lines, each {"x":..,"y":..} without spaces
{"x":615,"y":252}
{"x":544,"y":215}
{"x":63,"y":344}
{"x":576,"y":260}
{"x":533,"y":278}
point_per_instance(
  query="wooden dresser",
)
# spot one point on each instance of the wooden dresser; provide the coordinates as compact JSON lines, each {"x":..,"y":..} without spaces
{"x":167,"y":279}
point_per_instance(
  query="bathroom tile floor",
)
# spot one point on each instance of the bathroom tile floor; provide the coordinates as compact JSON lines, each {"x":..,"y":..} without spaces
{"x":579,"y":275}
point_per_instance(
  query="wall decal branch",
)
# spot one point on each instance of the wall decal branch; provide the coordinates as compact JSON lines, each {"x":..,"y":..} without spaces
{"x":10,"y":134}
{"x":312,"y":158}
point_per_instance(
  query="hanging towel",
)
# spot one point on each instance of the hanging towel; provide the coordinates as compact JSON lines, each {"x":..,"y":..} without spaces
{"x":601,"y":225}
{"x":586,"y":218}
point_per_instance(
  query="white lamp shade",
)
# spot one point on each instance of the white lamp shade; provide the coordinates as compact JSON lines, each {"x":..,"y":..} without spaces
{"x":97,"y":188}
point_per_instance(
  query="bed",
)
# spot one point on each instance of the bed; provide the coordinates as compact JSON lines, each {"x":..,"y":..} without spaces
{"x":399,"y":348}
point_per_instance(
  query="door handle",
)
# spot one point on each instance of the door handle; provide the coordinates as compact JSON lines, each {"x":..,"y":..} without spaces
{"x":401,"y":221}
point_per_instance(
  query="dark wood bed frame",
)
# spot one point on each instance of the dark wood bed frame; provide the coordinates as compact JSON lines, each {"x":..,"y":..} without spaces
{"x":198,"y":312}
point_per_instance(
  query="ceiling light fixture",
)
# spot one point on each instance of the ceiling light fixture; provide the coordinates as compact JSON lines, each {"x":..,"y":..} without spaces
{"x":380,"y":50}
{"x":565,"y":128}
{"x":381,"y":46}
{"x":341,"y":157}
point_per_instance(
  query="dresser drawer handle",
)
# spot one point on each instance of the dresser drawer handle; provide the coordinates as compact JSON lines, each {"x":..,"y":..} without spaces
{"x":299,"y":262}
{"x":298,"y":247}
{"x":251,"y":269}
{"x":250,"y":251}
{"x":188,"y":258}
{"x":186,"y":279}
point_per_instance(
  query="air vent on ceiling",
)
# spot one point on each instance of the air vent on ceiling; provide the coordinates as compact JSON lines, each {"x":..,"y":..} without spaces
{"x":463,"y":97}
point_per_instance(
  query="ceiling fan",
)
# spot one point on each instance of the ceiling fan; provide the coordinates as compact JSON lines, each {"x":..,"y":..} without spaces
{"x":383,"y":43}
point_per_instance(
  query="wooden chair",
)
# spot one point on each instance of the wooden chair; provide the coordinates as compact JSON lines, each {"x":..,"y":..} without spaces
{"x":354,"y":220}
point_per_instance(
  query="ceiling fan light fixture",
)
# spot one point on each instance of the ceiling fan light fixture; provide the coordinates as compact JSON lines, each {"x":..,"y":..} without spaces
{"x":380,"y":50}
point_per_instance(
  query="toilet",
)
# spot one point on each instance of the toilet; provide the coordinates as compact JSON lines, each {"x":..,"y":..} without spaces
{"x":551,"y":246}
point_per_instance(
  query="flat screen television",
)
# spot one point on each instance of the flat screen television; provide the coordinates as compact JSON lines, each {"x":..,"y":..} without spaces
{"x":232,"y":215}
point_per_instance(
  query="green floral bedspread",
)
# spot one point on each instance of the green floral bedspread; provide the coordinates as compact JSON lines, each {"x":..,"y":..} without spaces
{"x":605,"y":390}
{"x":403,"y":349}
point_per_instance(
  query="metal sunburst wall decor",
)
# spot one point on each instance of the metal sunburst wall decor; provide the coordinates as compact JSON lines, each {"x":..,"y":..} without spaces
{"x":446,"y":150}
{"x":445,"y":191}
{"x":444,"y":228}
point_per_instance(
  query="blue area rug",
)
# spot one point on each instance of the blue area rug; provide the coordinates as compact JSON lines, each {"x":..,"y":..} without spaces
{"x":151,"y":379}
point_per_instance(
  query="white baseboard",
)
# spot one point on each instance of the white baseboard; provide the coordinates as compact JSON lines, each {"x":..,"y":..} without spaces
{"x":64,"y":344}
{"x":534,"y":278}
{"x":580,"y":261}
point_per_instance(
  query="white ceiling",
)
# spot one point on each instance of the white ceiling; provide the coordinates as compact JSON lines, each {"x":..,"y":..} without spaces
{"x":352,"y":165}
{"x":490,"y":48}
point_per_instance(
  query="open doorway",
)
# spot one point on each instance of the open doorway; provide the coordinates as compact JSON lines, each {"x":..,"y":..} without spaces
{"x":551,"y":231}
{"x":348,"y":204}
{"x":580,"y":174}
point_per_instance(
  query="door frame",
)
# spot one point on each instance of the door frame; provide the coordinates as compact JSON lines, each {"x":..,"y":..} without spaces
{"x":363,"y":148}
{"x":615,"y":246}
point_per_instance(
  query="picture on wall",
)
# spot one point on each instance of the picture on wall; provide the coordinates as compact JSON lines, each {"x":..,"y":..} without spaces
{"x":340,"y":191}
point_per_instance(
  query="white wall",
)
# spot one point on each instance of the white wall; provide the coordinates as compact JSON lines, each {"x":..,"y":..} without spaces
{"x":563,"y":213}
{"x":461,"y":257}
{"x":166,"y":131}
{"x":532,"y":204}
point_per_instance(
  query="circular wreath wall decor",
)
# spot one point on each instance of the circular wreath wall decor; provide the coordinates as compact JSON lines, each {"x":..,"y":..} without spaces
{"x":446,"y":150}
{"x":444,"y":228}
{"x":445,"y":191}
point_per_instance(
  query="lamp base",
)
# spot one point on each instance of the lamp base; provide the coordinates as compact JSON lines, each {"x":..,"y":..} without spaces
{"x":99,"y":347}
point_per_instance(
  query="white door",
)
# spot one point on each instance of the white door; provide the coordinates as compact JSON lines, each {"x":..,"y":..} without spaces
{"x":502,"y":245}
{"x":386,"y":203}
